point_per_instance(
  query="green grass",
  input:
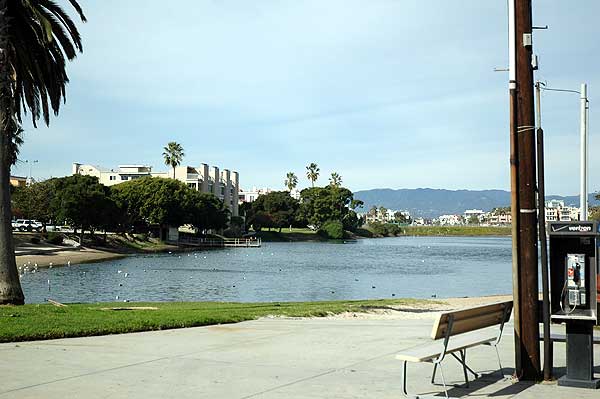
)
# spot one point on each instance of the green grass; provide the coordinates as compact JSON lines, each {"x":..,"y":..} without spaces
{"x":37,"y":322}
{"x":287,"y":235}
{"x":456,"y":231}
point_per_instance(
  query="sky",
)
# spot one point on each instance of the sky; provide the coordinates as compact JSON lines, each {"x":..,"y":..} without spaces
{"x":387,"y":93}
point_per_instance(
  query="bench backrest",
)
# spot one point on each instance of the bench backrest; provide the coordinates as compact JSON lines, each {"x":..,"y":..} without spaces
{"x":472,"y":319}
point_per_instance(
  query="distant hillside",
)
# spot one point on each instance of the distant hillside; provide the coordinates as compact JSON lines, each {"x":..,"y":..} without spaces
{"x":430,"y":203}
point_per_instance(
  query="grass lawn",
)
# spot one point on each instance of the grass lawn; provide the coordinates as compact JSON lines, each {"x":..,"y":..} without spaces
{"x":36,"y":322}
{"x":456,"y":231}
{"x":287,"y":235}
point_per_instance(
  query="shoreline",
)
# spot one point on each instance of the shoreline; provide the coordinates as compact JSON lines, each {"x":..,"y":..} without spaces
{"x":70,"y":257}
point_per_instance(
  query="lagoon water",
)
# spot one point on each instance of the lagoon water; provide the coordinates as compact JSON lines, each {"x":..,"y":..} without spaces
{"x":418,"y":267}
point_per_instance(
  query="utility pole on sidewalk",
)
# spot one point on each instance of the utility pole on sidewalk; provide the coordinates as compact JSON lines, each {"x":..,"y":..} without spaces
{"x":583,"y":201}
{"x":523,"y":188}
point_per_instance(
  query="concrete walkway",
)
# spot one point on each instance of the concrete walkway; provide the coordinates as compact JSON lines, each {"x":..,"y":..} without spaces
{"x":268,"y":359}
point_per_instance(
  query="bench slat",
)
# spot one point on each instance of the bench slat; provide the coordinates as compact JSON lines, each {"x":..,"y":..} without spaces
{"x":432,"y":350}
{"x":472,"y":319}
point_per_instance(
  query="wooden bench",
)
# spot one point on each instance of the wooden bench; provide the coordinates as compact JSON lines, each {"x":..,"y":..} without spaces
{"x":455,"y":332}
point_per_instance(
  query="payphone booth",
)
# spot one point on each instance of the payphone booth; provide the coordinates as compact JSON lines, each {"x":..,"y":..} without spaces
{"x":573,"y":270}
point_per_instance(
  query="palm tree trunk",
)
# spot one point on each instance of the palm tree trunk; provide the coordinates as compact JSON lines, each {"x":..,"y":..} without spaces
{"x":10,"y":286}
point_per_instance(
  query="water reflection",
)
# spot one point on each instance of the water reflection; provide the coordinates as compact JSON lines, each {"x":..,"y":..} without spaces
{"x":404,"y":267}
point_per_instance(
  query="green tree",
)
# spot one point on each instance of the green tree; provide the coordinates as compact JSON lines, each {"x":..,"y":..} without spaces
{"x":312,"y":173}
{"x":152,"y":201}
{"x":291,"y":181}
{"x":335,"y":179}
{"x":275,"y":209}
{"x":206,"y":211}
{"x":401,"y":217}
{"x":173,"y":155}
{"x":37,"y":37}
{"x":505,"y":210}
{"x":473,"y":220}
{"x":320,"y":204}
{"x":373,"y":210}
{"x":594,"y":213}
{"x":383,"y":212}
{"x":82,"y":202}
{"x":34,"y":201}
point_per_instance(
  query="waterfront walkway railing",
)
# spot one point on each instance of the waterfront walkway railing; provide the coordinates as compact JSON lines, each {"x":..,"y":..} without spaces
{"x":220,"y":242}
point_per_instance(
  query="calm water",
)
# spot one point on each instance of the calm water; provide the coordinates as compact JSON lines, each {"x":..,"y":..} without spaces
{"x":372,"y":268}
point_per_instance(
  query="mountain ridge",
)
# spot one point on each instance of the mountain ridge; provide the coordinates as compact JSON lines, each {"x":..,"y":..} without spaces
{"x":433,"y":202}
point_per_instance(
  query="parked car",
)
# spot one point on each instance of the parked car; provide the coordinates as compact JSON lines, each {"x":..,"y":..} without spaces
{"x":27,"y":225}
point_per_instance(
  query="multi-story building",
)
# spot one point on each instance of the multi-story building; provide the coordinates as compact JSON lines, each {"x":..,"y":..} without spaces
{"x":449,"y":220}
{"x":557,"y":211}
{"x":252,"y":195}
{"x":499,"y":219}
{"x":389,"y":216}
{"x":223,"y":184}
{"x":18,"y":181}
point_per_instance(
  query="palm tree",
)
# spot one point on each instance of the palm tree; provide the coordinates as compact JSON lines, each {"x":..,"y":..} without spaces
{"x":291,"y":181}
{"x":312,"y":173}
{"x":335,"y":180}
{"x":37,"y":37}
{"x":173,"y":155}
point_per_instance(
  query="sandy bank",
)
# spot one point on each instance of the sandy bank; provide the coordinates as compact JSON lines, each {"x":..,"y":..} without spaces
{"x":62,"y":258}
{"x":427,"y":310}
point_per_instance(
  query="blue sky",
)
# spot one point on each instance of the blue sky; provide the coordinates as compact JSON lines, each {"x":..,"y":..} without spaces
{"x":388,"y":93}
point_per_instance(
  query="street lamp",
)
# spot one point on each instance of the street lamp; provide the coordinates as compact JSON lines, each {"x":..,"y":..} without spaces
{"x":584,"y":115}
{"x":30,"y":163}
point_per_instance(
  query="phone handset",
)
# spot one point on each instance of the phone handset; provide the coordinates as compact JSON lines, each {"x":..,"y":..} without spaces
{"x":574,"y":287}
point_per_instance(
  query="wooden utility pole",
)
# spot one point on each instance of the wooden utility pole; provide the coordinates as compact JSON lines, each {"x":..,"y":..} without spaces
{"x":523,"y":181}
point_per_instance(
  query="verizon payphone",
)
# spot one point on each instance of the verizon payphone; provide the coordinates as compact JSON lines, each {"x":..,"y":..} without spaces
{"x":573,"y":270}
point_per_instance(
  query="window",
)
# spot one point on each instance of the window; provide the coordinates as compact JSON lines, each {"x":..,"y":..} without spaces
{"x":124,"y":177}
{"x":192,"y":185}
{"x":113,"y":178}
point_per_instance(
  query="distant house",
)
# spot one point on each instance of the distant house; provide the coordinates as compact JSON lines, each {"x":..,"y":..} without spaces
{"x":18,"y":181}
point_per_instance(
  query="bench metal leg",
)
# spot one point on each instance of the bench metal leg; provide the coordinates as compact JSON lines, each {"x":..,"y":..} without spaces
{"x":404,"y":392}
{"x":463,"y":355}
{"x":464,"y":363}
{"x":433,"y":375}
{"x":499,"y":361}
{"x":443,"y":380}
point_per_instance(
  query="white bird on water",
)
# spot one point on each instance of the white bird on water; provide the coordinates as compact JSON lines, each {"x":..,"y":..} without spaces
{"x":68,"y":263}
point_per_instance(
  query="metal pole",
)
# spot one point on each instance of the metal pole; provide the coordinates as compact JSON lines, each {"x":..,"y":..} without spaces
{"x":514,"y":179}
{"x":548,"y":353}
{"x":528,"y":234}
{"x":583,"y":203}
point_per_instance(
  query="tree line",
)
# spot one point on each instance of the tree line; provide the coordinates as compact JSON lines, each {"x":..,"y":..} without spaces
{"x":138,"y":205}
{"x":330,"y":210}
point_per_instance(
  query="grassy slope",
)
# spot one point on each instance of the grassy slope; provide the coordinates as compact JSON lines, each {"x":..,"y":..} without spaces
{"x":455,"y":231}
{"x":288,"y":235}
{"x":35,"y":322}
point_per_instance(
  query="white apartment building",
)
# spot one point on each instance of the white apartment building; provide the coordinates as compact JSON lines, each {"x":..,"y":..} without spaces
{"x":449,"y":220}
{"x":223,"y":184}
{"x":252,"y":195}
{"x":556,"y":211}
{"x":389,"y":216}
{"x":478,"y":213}
{"x":499,"y":219}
